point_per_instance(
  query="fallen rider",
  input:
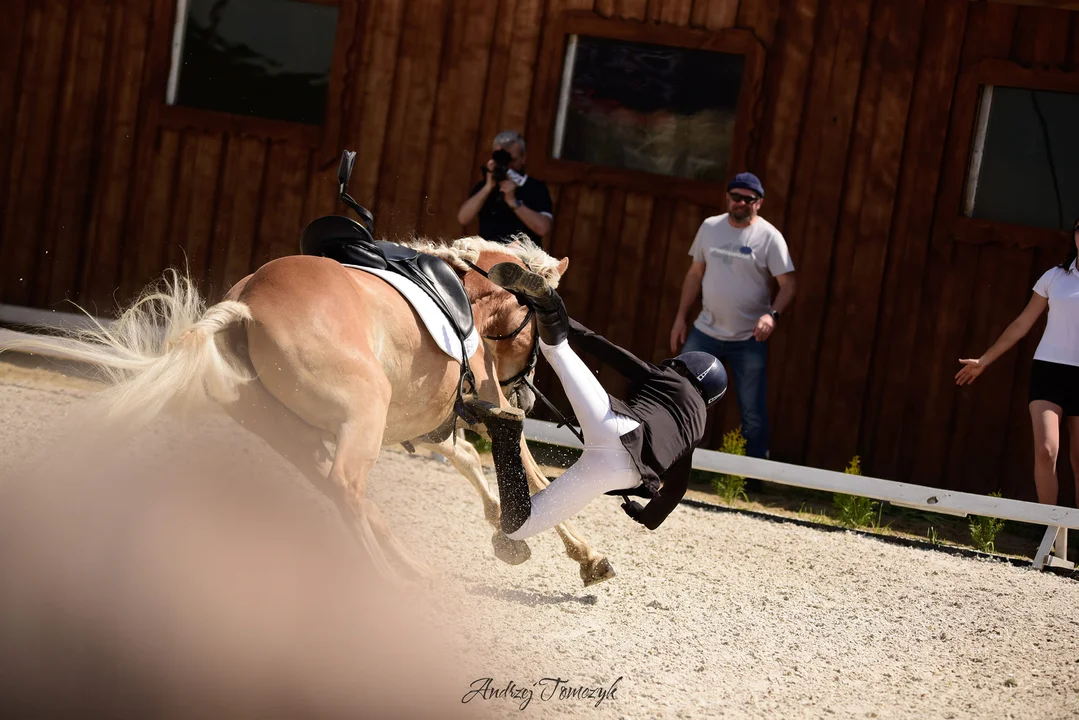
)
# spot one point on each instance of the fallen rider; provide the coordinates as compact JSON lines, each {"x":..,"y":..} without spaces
{"x":645,"y":443}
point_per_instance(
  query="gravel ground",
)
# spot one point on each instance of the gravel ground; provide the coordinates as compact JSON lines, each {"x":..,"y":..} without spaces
{"x":713,"y":615}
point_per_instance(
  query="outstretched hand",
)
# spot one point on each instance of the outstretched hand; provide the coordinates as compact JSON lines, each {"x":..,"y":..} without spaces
{"x":972,"y":368}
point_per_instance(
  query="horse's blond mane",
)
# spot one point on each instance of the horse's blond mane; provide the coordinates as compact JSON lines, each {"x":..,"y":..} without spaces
{"x":469,"y":249}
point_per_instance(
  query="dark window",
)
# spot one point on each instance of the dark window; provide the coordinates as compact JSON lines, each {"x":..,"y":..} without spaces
{"x":1024,"y":166}
{"x":651,"y":108}
{"x":264,"y":58}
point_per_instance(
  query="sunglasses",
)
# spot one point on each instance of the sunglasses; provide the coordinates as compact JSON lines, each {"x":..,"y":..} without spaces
{"x":747,"y":199}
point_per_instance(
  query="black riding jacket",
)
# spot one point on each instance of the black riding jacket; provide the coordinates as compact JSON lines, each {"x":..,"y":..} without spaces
{"x":671,"y":414}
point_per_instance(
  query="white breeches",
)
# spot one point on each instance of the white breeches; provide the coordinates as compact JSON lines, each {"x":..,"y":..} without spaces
{"x":604,"y":465}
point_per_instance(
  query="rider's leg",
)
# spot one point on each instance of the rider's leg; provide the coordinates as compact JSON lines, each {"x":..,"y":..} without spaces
{"x":599,"y":470}
{"x":600,"y":426}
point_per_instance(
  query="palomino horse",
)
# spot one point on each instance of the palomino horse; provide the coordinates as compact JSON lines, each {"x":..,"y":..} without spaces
{"x":306,"y":347}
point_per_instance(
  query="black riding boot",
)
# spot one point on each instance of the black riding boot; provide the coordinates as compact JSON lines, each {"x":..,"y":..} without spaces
{"x":505,"y":426}
{"x":551,"y":312}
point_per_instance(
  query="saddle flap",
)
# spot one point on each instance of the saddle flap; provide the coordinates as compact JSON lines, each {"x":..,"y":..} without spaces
{"x":450,"y":287}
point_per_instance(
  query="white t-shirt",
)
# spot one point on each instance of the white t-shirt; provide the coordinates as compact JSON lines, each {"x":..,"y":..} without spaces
{"x":1060,"y":341}
{"x":739,"y":262}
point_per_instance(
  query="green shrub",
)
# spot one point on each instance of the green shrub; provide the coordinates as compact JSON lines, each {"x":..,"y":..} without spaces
{"x":726,"y":486}
{"x":854,"y":510}
{"x":983,"y":530}
{"x":482,"y":444}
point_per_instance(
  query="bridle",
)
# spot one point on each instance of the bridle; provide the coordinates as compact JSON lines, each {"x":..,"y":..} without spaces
{"x":533,"y":358}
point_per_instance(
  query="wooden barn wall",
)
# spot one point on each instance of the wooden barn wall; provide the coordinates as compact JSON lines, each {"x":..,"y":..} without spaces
{"x":98,"y":195}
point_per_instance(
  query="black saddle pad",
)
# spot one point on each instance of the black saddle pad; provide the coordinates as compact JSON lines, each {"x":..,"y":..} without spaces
{"x":346,"y":241}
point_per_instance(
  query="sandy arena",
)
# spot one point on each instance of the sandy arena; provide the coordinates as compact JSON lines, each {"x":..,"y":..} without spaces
{"x":713,"y":615}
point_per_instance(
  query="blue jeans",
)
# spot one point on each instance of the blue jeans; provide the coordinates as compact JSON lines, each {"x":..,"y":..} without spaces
{"x":745,"y":362}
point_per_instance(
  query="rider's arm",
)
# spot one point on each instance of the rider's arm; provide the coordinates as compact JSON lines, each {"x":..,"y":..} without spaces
{"x":671,"y":492}
{"x":608,"y":353}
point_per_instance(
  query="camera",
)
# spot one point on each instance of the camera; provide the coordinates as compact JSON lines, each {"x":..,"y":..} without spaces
{"x":502,"y":160}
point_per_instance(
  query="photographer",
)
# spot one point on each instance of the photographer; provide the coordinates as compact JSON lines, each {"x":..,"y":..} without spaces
{"x":507,"y":200}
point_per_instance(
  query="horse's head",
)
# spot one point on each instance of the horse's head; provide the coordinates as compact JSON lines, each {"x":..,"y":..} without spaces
{"x":507,"y":327}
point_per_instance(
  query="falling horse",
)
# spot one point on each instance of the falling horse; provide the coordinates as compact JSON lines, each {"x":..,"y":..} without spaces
{"x":307,"y":347}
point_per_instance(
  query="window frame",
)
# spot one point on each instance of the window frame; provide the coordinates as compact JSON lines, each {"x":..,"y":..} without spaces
{"x":178,"y":117}
{"x":543,"y":115}
{"x":970,"y":117}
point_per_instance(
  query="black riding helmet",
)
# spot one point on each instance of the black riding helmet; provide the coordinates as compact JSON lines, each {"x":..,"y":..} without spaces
{"x":706,"y":373}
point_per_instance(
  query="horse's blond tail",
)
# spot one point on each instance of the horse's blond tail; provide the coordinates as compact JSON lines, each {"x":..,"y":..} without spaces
{"x":163,"y":351}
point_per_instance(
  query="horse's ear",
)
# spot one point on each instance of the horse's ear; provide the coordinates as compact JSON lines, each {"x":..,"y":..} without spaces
{"x":562,"y":265}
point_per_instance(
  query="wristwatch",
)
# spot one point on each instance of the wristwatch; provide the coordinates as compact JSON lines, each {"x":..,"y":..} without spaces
{"x":518,"y":204}
{"x":774,"y":314}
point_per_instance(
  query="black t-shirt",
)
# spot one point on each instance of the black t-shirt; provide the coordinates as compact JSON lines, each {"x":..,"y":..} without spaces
{"x":499,"y":222}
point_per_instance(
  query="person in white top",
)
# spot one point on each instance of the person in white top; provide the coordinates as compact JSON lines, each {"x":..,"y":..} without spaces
{"x":1054,"y":374}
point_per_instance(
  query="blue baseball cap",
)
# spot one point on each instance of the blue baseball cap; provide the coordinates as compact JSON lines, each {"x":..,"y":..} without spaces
{"x":747,"y":181}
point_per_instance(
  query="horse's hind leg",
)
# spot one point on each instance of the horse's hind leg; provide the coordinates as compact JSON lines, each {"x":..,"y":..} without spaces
{"x":357,"y":450}
{"x":302,"y":445}
{"x":595,"y":568}
{"x":463,"y":456}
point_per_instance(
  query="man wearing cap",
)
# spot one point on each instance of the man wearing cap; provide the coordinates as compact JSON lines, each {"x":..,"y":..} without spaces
{"x":735,"y":255}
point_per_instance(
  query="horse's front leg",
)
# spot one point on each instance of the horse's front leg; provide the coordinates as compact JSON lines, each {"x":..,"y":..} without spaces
{"x":466,"y":459}
{"x":595,"y":568}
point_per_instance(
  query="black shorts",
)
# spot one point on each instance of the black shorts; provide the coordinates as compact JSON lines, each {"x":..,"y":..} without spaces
{"x":1056,"y":383}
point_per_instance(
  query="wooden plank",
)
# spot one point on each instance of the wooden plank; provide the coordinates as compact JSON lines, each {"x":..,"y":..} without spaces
{"x":815,"y":204}
{"x":714,"y":14}
{"x":647,"y":309}
{"x":632,"y":262}
{"x":147,"y":244}
{"x":192,"y":248}
{"x":406,"y":144}
{"x":584,"y":253}
{"x":762,"y":16}
{"x":670,"y":12}
{"x":280,"y":215}
{"x":979,"y":331}
{"x":786,"y":87}
{"x":46,"y":31}
{"x":450,"y":170}
{"x":1041,"y":36}
{"x":625,"y":9}
{"x":495,"y":86}
{"x":100,"y":267}
{"x":948,"y":286}
{"x":895,"y":352}
{"x":11,"y":53}
{"x":367,"y":135}
{"x":72,"y":190}
{"x":977,"y":453}
{"x":527,"y":24}
{"x":237,"y":218}
{"x":685,"y":221}
{"x":1072,"y":61}
{"x":607,"y":241}
{"x":862,"y":251}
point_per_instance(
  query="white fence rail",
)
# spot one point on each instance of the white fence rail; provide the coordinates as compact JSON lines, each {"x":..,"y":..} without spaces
{"x":1058,"y":520}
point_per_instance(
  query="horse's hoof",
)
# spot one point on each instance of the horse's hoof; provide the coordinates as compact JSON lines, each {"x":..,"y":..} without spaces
{"x":597,"y":572}
{"x":510,"y":551}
